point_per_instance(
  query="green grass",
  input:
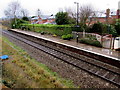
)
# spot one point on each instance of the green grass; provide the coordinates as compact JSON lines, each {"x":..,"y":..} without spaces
{"x":21,"y":70}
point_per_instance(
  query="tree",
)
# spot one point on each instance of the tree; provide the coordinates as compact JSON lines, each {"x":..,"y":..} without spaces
{"x":85,"y":12}
{"x":62,"y":18}
{"x":18,"y":23}
{"x":24,"y":12}
{"x":97,"y":28}
{"x":25,"y":18}
{"x":114,"y":34}
{"x":13,"y":10}
{"x":71,"y":15}
{"x":113,"y":31}
{"x":117,"y":26}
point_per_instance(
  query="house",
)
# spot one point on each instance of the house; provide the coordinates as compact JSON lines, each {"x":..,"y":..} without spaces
{"x":43,"y":20}
{"x":107,"y":17}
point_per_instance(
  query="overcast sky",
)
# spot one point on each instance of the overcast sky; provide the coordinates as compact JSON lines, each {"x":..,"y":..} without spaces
{"x":49,"y":7}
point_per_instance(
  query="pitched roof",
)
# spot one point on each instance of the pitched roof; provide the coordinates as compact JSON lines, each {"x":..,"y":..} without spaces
{"x":44,"y":17}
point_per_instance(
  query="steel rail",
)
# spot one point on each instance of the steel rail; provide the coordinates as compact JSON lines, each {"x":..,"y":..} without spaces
{"x":35,"y":45}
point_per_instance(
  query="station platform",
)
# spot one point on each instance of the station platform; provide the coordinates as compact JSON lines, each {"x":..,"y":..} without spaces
{"x":102,"y":51}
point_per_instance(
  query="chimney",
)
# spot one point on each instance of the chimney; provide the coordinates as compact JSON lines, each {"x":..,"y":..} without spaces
{"x":118,"y":11}
{"x":107,"y":13}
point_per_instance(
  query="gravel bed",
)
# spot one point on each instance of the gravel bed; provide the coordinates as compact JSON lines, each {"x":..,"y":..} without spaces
{"x":78,"y":55}
{"x":79,"y":77}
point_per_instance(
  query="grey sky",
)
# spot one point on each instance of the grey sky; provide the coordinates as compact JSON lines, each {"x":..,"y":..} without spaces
{"x":52,"y":6}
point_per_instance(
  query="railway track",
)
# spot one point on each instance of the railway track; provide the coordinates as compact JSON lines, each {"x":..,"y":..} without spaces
{"x":97,"y":70}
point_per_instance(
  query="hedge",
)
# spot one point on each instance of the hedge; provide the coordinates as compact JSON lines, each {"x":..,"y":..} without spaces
{"x":51,"y":29}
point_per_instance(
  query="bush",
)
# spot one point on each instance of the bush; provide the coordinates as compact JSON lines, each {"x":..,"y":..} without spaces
{"x":90,"y":42}
{"x":117,"y":27}
{"x":16,"y":23}
{"x":67,"y":37}
{"x":42,"y":33}
{"x":91,"y":37}
{"x":113,"y":31}
{"x":58,"y":30}
{"x":25,"y":18}
{"x":97,"y":28}
{"x":62,"y":18}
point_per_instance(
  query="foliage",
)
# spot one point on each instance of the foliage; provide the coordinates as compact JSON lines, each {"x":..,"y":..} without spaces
{"x":113,"y":31}
{"x":58,"y":30}
{"x":71,"y":20}
{"x":33,"y":16}
{"x":117,"y":27}
{"x":91,"y":37}
{"x":67,"y":37}
{"x":118,"y":20}
{"x":85,"y":12}
{"x":80,"y":28}
{"x":77,"y":29}
{"x":16,"y":23}
{"x":97,"y":28}
{"x":62,"y":18}
{"x":25,"y":18}
{"x":90,"y":42}
{"x":42,"y":32}
{"x":105,"y":28}
{"x":54,"y":35}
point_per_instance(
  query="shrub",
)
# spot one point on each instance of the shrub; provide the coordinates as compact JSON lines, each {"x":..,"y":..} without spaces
{"x":97,"y":28}
{"x":113,"y":31}
{"x":91,"y":37}
{"x":90,"y":42}
{"x":67,"y":37}
{"x":16,"y":23}
{"x":25,"y":18}
{"x":54,"y":35}
{"x":42,"y":33}
{"x":117,"y":27}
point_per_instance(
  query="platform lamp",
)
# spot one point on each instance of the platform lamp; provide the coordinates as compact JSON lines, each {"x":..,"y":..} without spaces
{"x":77,"y":35}
{"x":77,"y":10}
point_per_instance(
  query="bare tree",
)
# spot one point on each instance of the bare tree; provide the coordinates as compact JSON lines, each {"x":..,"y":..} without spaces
{"x":71,"y":12}
{"x":71,"y":15}
{"x":13,"y":10}
{"x":85,"y":12}
{"x":24,"y":12}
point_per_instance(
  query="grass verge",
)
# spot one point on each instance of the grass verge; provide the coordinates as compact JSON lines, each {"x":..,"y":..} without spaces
{"x":22,"y":71}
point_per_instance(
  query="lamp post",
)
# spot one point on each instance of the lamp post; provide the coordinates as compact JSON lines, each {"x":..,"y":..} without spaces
{"x":77,"y":10}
